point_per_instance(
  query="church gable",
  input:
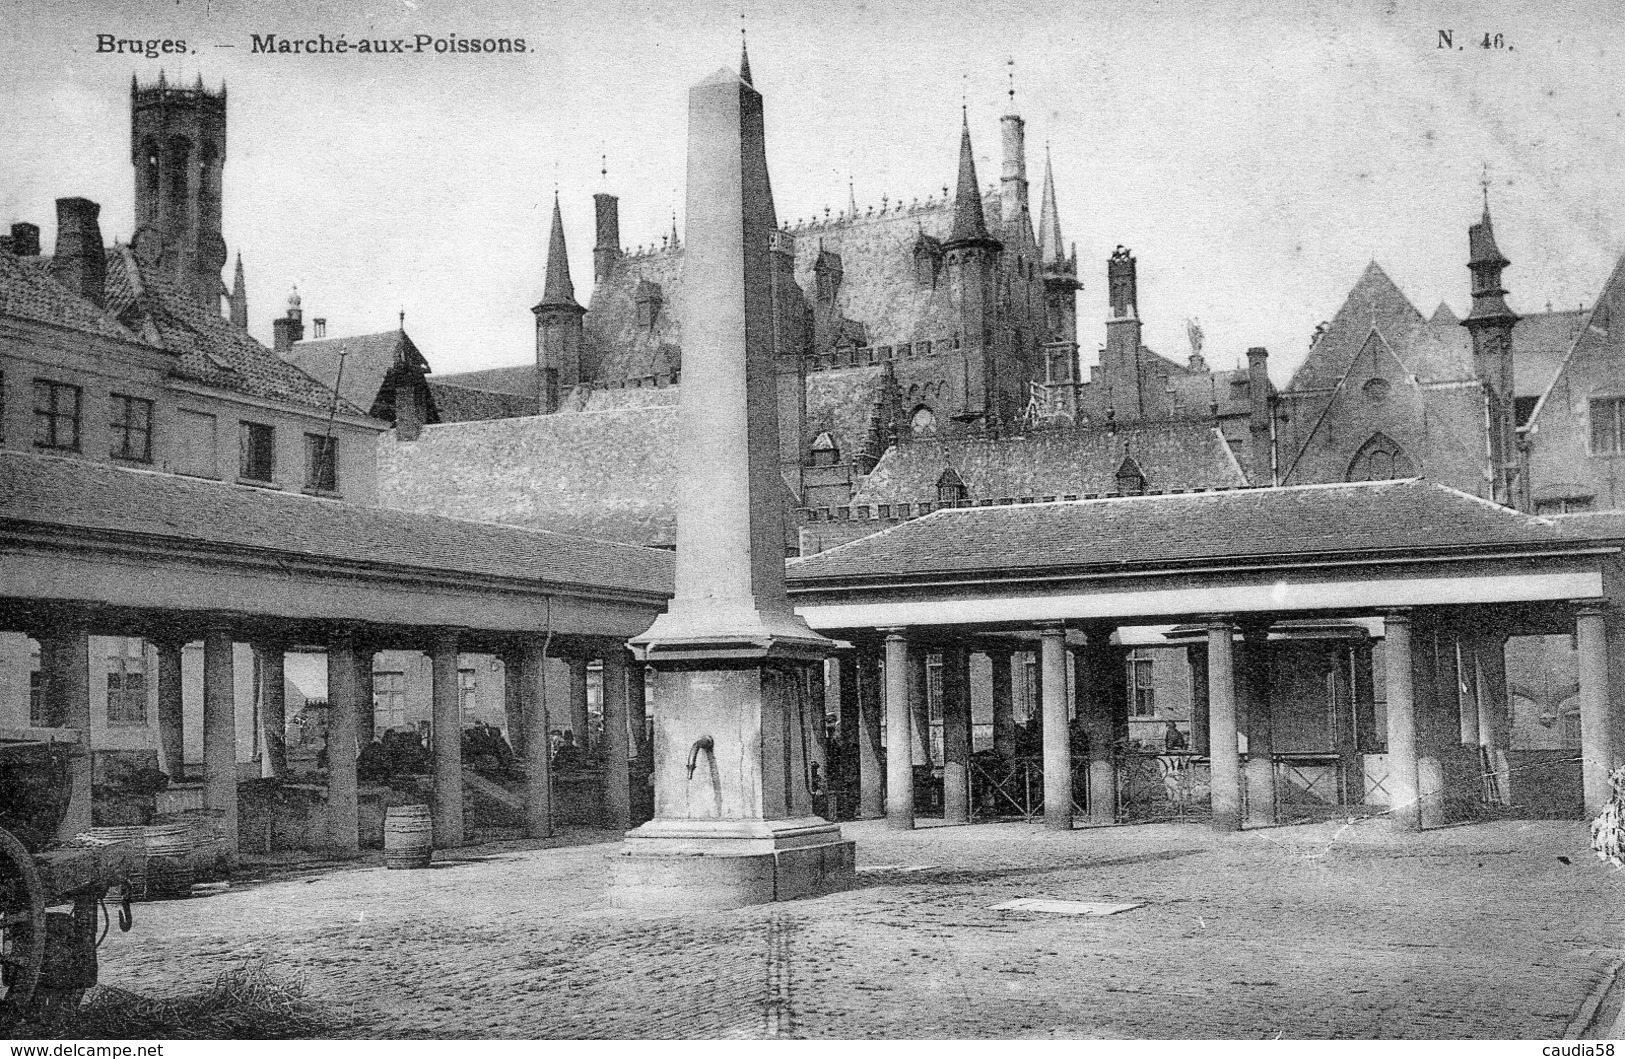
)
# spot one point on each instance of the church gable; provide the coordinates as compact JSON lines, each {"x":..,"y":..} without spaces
{"x":1375,"y":304}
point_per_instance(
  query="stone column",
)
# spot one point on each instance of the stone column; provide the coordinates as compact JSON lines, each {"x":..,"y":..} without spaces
{"x":1489,"y":670}
{"x":273,"y":709}
{"x":1352,"y":787}
{"x":1097,"y":706}
{"x":617,"y":742}
{"x":171,"y":712}
{"x":343,"y":695}
{"x":448,"y":743}
{"x":1225,"y":768}
{"x":847,"y":781}
{"x":65,"y":659}
{"x":637,"y":721}
{"x":900,"y":743}
{"x":1404,"y":782}
{"x":1363,"y":685}
{"x":1254,"y":688}
{"x":1463,"y":669}
{"x":1196,"y":655}
{"x":956,"y":734}
{"x":220,"y":733}
{"x":580,"y":722}
{"x":513,"y":701}
{"x":871,"y":755}
{"x":1057,"y":732}
{"x":1596,"y":736}
{"x":531,"y":677}
{"x":919,"y":704}
{"x":1430,"y":720}
{"x":1004,"y":703}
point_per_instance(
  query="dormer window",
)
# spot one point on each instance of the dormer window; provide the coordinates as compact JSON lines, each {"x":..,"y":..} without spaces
{"x":1130,"y":479}
{"x":927,"y":260}
{"x":649,"y":299}
{"x":951,"y":488}
{"x":825,"y":453}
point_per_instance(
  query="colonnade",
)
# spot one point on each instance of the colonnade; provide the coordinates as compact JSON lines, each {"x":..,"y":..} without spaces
{"x":1447,"y":727}
{"x":65,"y":688}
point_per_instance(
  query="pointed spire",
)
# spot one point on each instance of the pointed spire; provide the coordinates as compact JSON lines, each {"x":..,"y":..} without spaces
{"x":558,"y":290}
{"x":238,"y":302}
{"x":851,"y":197}
{"x":970,"y":226}
{"x":744,"y":53}
{"x":1051,"y":250}
{"x":675,"y":242}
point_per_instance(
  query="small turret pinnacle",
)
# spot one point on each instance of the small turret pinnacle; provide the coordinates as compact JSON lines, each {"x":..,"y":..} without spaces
{"x":744,"y":53}
{"x":970,"y":225}
{"x":557,"y":289}
{"x":1051,"y":250}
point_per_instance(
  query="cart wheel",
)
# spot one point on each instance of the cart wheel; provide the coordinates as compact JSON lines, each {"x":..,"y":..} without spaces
{"x":22,"y":926}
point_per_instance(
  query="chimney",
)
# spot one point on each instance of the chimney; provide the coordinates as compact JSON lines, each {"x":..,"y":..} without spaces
{"x":1260,"y":419}
{"x":80,"y":263}
{"x":607,"y":250}
{"x":24,"y":239}
{"x":409,"y":416}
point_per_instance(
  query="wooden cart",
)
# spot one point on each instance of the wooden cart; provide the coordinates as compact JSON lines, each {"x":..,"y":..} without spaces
{"x":48,"y":955}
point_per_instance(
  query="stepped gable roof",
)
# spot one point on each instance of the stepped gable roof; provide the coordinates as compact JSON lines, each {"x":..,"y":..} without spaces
{"x":367,"y":361}
{"x":213,"y":350}
{"x":1055,"y":463}
{"x":30,"y":292}
{"x":1299,"y":522}
{"x":58,"y":492}
{"x":462,"y":404}
{"x":607,"y":475}
{"x":843,"y":403}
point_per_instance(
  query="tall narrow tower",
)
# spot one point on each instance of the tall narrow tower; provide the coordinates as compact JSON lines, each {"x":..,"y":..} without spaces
{"x":973,"y":256}
{"x":1490,"y":324}
{"x":1061,"y":286}
{"x":178,"y":148}
{"x":558,"y":324}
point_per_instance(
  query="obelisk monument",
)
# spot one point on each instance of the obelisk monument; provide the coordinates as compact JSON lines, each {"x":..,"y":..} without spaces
{"x":729,"y":659}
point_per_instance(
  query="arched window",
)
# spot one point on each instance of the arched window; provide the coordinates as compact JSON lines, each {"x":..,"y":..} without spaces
{"x":923,"y":421}
{"x":1379,"y":459}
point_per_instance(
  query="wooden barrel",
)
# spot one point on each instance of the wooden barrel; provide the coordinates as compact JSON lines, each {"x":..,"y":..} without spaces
{"x":408,"y":836}
{"x":169,"y":861}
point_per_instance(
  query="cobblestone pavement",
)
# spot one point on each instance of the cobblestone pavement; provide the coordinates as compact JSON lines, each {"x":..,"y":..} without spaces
{"x":1325,"y":930}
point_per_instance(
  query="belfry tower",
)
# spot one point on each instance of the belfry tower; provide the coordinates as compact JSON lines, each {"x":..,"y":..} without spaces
{"x":178,"y":148}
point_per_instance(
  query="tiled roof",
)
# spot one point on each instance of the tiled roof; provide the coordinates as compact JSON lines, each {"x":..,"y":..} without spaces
{"x":1540,"y":341}
{"x":613,"y":345}
{"x":51,"y":491}
{"x":367,"y":359}
{"x":608,"y":475}
{"x":1054,"y":463}
{"x":212,"y":349}
{"x":518,"y":379}
{"x":462,"y":404}
{"x":28,"y":290}
{"x":843,"y":404}
{"x":630,"y":397}
{"x":1407,"y":515}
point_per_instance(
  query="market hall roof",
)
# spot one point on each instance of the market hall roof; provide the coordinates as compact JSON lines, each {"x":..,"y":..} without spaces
{"x":1359,"y":548}
{"x":319,"y":557}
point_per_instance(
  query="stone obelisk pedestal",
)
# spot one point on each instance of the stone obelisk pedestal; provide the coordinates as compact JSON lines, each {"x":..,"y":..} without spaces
{"x":729,"y":660}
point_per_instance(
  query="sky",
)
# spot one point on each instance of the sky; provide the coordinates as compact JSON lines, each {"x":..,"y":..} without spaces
{"x":1254,"y":155}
